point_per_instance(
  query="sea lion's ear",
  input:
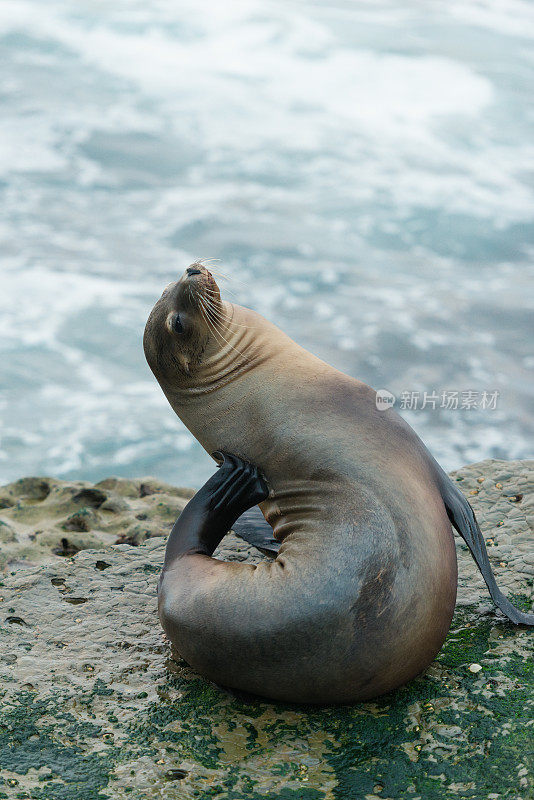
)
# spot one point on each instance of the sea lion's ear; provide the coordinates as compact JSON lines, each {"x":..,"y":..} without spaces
{"x":184,"y":362}
{"x":175,"y":362}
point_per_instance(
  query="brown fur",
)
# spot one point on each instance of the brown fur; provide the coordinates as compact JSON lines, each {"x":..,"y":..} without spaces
{"x":361,"y":595}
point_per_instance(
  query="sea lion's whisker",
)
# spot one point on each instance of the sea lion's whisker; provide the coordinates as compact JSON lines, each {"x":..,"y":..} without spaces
{"x":217,"y":312}
{"x":219,"y":274}
{"x":216,"y":316}
{"x":207,"y":260}
{"x":208,"y":295}
{"x":211,"y":269}
{"x":226,"y":289}
{"x":213,"y":327}
{"x":216,"y":292}
{"x":217,"y":271}
{"x":210,"y":312}
{"x":228,"y":278}
{"x":212,"y":292}
{"x":209,"y":301}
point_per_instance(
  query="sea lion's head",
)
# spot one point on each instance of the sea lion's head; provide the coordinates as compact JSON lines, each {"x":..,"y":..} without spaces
{"x":184,"y":327}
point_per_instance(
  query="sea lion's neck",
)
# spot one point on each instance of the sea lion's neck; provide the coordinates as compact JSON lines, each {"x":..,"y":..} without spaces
{"x":236,"y":347}
{"x":223,"y":400}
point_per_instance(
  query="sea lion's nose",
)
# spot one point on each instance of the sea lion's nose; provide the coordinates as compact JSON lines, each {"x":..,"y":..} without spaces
{"x":193,"y":271}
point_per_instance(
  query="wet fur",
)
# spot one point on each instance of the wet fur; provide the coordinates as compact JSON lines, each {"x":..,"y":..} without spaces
{"x":361,"y":594}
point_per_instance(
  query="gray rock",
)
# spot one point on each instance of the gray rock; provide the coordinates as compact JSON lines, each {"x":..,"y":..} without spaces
{"x":95,"y":706}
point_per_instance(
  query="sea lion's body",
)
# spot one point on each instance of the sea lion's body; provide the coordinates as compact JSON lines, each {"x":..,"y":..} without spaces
{"x":361,"y":594}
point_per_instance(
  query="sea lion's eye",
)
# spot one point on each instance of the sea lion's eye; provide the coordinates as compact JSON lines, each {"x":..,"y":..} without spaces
{"x":177,"y":324}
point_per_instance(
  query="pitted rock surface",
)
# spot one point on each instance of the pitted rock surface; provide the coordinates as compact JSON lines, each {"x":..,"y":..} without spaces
{"x":94,"y":706}
{"x":502,"y":496}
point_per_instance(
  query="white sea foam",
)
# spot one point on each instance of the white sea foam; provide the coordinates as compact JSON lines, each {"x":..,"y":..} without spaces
{"x":362,"y":168}
{"x":510,"y":17}
{"x":263,"y":75}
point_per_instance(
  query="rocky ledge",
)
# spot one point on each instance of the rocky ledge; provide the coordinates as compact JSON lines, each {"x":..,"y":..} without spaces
{"x":94,"y":706}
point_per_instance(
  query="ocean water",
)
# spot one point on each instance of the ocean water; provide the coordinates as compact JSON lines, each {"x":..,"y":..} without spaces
{"x":362,"y":169}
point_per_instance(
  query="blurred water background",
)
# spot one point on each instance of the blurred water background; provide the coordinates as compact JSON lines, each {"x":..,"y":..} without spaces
{"x":363,"y":169}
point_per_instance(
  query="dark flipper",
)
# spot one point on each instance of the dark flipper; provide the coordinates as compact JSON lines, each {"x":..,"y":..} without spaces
{"x":253,"y":528}
{"x":463,"y":518}
{"x":235,"y":487}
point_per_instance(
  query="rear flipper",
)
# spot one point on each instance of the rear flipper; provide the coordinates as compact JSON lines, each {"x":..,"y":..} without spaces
{"x":463,"y":518}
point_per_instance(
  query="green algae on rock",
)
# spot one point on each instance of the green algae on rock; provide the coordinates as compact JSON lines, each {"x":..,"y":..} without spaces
{"x":94,"y":706}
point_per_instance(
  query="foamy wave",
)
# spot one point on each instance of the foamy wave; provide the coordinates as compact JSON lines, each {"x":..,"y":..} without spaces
{"x":243,"y":79}
{"x":361,"y":168}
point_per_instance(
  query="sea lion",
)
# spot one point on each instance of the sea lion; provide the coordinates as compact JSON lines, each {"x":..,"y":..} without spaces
{"x":362,"y":591}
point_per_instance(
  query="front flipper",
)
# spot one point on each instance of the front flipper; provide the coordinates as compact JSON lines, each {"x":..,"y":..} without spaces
{"x":234,"y":488}
{"x":463,"y":518}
